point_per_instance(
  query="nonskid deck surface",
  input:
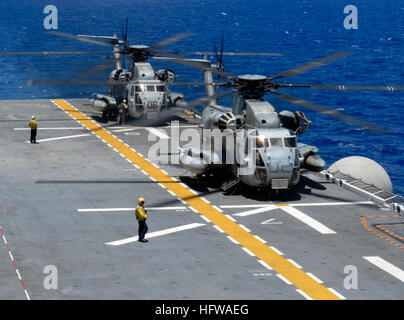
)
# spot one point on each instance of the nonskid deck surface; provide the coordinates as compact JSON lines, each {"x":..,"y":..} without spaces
{"x":68,"y":202}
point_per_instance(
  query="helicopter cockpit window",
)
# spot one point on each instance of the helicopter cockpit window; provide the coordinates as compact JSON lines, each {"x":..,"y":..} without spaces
{"x":262,"y":142}
{"x":276,"y":142}
{"x":151,"y":88}
{"x":132,"y":91}
{"x":290,"y":142}
{"x":160,"y":88}
{"x":259,"y":162}
{"x":137,"y":99}
{"x":139,"y":88}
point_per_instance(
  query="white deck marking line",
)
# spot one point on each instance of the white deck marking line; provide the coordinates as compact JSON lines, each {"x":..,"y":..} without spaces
{"x":230,"y":217}
{"x":59,"y":128}
{"x":336,"y":293}
{"x":330,"y":204}
{"x":132,"y":133}
{"x":204,"y":218}
{"x":304,"y":295}
{"x":314,"y":277}
{"x":158,"y":133}
{"x":65,"y":137}
{"x":387,"y":267}
{"x":232,"y":206}
{"x":204,"y":199}
{"x":307,"y":220}
{"x":244,"y":227}
{"x":232,"y":240}
{"x":283,"y":279}
{"x":295,"y":263}
{"x":255,"y":211}
{"x":157,"y":233}
{"x":260,"y":239}
{"x":124,"y":130}
{"x":276,"y":250}
{"x":218,"y":229}
{"x":271,"y":221}
{"x":217,"y":208}
{"x":248,"y":252}
{"x":265,"y":264}
{"x":129,"y":209}
{"x":14,"y":264}
{"x":194,"y":210}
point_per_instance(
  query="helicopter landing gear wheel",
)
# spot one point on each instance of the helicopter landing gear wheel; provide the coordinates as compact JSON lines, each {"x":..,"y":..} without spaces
{"x":277,"y":194}
{"x":273,"y":194}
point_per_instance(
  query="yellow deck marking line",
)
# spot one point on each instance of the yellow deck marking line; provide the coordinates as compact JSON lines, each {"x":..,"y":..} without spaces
{"x":282,"y":266}
{"x":365,"y":225}
{"x":381,"y":227}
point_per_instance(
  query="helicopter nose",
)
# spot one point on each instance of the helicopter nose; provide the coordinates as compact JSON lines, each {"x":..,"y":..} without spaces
{"x":280,"y":163}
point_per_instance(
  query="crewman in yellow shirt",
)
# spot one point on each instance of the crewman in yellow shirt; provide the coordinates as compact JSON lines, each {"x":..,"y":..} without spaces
{"x":141,"y":218}
{"x":33,"y":125}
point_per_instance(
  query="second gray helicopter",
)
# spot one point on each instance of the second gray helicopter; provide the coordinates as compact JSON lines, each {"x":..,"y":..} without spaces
{"x":268,"y":155}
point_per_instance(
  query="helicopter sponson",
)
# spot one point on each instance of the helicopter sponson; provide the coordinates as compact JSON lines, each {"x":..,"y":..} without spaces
{"x":102,"y":102}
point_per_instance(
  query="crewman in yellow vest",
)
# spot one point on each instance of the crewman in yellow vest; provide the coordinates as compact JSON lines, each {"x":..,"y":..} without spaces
{"x":33,"y":125}
{"x":141,"y":218}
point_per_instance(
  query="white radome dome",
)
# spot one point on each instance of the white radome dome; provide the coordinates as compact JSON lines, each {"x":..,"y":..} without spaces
{"x":365,"y":169}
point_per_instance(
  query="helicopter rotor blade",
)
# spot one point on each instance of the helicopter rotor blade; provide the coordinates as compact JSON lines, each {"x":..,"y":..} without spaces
{"x":189,"y":83}
{"x":330,"y":112}
{"x":170,"y":40}
{"x":200,"y":64}
{"x":349,"y":87}
{"x":83,"y":39}
{"x":221,"y":52}
{"x":203,"y":100}
{"x":125,"y":33}
{"x":9,"y":53}
{"x":204,"y":53}
{"x":313,"y":64}
{"x":96,"y":69}
{"x":68,"y":82}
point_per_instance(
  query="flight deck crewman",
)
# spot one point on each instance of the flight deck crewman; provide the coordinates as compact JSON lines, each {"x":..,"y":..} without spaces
{"x":33,"y":125}
{"x":123,"y":111}
{"x":141,"y":218}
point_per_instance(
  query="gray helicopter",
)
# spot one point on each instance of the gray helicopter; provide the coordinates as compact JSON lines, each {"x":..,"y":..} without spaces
{"x":268,"y":144}
{"x":144,"y":91}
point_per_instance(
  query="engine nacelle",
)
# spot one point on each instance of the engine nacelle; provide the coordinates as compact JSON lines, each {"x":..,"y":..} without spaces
{"x":166,"y":75}
{"x":120,"y":75}
{"x":225,"y":121}
{"x":297,"y":122}
{"x":102,"y":102}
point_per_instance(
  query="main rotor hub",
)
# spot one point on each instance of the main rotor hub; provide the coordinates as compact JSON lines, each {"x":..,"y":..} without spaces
{"x":251,"y":77}
{"x":139,"y":47}
{"x":251,"y":86}
{"x":138,"y":52}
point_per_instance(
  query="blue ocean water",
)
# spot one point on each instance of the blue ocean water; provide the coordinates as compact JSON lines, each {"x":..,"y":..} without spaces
{"x":301,"y":29}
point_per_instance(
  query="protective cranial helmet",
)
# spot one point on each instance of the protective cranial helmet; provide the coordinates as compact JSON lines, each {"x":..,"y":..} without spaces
{"x":140,"y":200}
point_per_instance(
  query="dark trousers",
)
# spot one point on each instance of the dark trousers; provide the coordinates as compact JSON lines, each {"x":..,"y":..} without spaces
{"x":33,"y":136}
{"x":142,"y":229}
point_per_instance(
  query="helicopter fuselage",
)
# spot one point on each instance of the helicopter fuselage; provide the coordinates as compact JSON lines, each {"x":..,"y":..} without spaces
{"x":146,"y":94}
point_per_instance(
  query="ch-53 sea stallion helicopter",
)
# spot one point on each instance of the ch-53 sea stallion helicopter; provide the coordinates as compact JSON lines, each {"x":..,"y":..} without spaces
{"x":270,"y":146}
{"x":144,"y":90}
